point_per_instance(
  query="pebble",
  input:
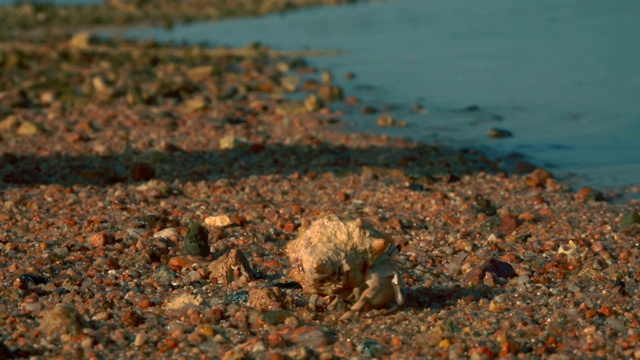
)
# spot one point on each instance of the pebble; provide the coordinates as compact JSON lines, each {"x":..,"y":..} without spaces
{"x":308,"y":336}
{"x":220,"y":220}
{"x":5,"y":353}
{"x":34,"y":279}
{"x":197,"y":241}
{"x":538,"y":178}
{"x":232,"y":267}
{"x":497,"y":133}
{"x":142,"y":172}
{"x":386,"y":120}
{"x":205,"y":330}
{"x":64,"y":319}
{"x":292,"y":322}
{"x":275,"y":317}
{"x":8,"y":123}
{"x":313,"y":103}
{"x":163,"y":275}
{"x":499,"y":268}
{"x":183,"y":300}
{"x":329,"y":92}
{"x":371,"y":348}
{"x":616,"y":324}
{"x":27,"y":128}
{"x":168,"y":233}
{"x":101,"y":238}
{"x":266,"y":298}
{"x":141,"y":339}
{"x":508,"y":224}
{"x":630,"y":219}
{"x":259,"y":347}
{"x":132,"y":318}
{"x":229,"y":142}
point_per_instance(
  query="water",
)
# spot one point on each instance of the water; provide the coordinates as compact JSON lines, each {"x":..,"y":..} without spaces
{"x":562,"y":76}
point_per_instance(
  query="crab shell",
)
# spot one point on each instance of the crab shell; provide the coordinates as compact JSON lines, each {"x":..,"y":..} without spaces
{"x":334,"y":255}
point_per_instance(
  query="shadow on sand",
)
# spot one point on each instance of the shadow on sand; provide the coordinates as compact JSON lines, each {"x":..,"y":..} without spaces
{"x":415,"y":161}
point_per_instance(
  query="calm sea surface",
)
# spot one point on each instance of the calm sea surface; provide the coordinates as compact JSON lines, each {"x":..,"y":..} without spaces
{"x":562,"y":76}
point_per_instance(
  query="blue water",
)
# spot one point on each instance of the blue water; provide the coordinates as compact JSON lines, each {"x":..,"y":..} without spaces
{"x":562,"y":76}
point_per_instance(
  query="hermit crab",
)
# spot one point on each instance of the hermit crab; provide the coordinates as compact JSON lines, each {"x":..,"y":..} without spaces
{"x":348,"y":258}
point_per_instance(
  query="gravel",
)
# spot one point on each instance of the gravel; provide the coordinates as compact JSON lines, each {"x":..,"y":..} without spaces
{"x":99,"y":191}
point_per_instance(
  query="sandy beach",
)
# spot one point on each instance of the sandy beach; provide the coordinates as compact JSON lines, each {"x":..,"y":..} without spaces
{"x":112,"y":152}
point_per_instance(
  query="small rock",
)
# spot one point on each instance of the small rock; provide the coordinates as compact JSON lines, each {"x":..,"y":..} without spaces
{"x":197,"y":241}
{"x":199,"y":73}
{"x":33,"y":279}
{"x":238,"y":297}
{"x":80,"y":40}
{"x":330,"y":92}
{"x":100,"y":239}
{"x":313,"y":103}
{"x":369,"y":110}
{"x":221,"y":221}
{"x":164,"y":276}
{"x":194,"y":104}
{"x":5,"y":353}
{"x":489,"y":279}
{"x":259,"y":347}
{"x":231,"y":142}
{"x":132,"y":318}
{"x":499,"y":133}
{"x":141,"y":339}
{"x":103,"y":92}
{"x":168,"y":233}
{"x":275,"y":317}
{"x":372,"y":349}
{"x":632,"y":218}
{"x":508,"y":224}
{"x":386,"y":120}
{"x":570,"y":250}
{"x":327,"y":77}
{"x":266,"y":298}
{"x":183,"y":300}
{"x":232,"y":267}
{"x":538,"y":178}
{"x":28,"y":128}
{"x":589,"y":194}
{"x":8,"y":123}
{"x":205,"y":330}
{"x":64,"y":319}
{"x":142,"y":172}
{"x":501,"y":269}
{"x":615,"y":324}
{"x":308,"y":336}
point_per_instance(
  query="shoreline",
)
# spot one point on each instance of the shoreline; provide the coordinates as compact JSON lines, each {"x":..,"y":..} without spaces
{"x":108,"y":158}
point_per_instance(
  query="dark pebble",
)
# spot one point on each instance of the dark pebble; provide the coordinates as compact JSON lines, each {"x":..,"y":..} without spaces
{"x":34,"y":279}
{"x":142,"y":172}
{"x":241,"y":296}
{"x":5,"y":353}
{"x":629,"y":220}
{"x":499,"y":268}
{"x":508,"y":224}
{"x":275,"y":317}
{"x":197,"y":242}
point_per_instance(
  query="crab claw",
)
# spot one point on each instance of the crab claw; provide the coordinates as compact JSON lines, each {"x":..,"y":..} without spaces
{"x":347,"y":315}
